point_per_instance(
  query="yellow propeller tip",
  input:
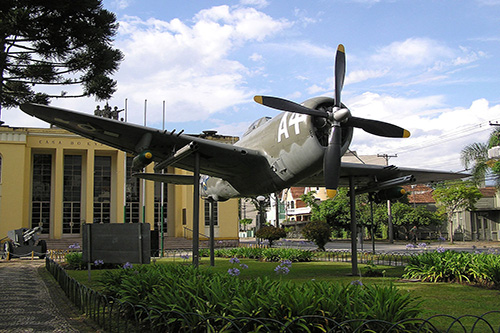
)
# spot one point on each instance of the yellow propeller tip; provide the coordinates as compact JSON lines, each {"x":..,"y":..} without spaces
{"x":258,"y":99}
{"x":331,"y":193}
{"x":406,"y":134}
{"x":341,"y":48}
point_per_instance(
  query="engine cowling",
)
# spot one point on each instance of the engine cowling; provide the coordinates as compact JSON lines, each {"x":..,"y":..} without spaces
{"x":142,"y":160}
{"x":322,"y":129}
{"x":392,"y":193}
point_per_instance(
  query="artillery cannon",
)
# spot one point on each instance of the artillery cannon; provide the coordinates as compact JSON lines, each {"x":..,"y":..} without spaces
{"x":24,"y":242}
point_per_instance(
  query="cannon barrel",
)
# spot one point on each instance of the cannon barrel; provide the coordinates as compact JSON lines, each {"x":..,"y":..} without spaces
{"x":30,"y":233}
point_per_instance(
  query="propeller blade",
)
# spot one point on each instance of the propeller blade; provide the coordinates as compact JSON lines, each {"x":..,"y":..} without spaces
{"x":377,"y":127}
{"x":286,"y":105}
{"x":331,"y":162}
{"x":339,"y":73}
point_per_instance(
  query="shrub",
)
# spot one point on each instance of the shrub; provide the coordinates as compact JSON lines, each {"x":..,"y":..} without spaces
{"x":75,"y":260}
{"x":184,"y":289}
{"x":317,"y":232}
{"x":270,"y":233}
{"x":451,"y":266}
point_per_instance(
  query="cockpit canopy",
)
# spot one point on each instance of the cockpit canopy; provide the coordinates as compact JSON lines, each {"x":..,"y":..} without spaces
{"x":255,"y":124}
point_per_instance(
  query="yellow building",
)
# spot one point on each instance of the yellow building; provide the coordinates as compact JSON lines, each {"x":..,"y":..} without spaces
{"x":59,"y":180}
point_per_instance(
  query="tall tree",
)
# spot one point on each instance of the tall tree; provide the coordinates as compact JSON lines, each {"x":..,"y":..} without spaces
{"x":56,"y":42}
{"x":405,"y":216}
{"x":334,"y":212}
{"x":455,"y":197}
{"x":475,"y":157}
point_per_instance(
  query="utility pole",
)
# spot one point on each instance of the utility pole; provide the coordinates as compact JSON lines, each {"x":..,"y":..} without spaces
{"x":390,"y":228}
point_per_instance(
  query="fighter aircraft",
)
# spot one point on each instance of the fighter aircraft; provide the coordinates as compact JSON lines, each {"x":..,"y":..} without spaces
{"x":301,"y":146}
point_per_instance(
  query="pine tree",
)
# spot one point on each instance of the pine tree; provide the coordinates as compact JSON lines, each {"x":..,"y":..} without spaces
{"x":55,"y":42}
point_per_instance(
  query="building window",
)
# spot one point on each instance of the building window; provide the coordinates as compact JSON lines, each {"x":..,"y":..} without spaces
{"x":184,"y":216}
{"x":40,"y":197}
{"x":72,"y":193}
{"x":132,"y":195}
{"x":102,"y":189}
{"x":158,"y":206}
{"x":207,"y":213}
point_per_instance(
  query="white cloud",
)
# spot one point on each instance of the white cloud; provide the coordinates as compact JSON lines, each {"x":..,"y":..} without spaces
{"x":315,"y":89}
{"x":120,"y":4}
{"x":414,"y":61}
{"x":303,"y":47}
{"x":189,"y":65}
{"x":438,"y":133}
{"x":256,"y":57}
{"x":363,"y":75}
{"x":413,"y":52}
{"x":255,"y":3}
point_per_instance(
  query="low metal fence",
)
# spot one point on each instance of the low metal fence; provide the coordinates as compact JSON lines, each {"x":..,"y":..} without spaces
{"x":366,"y":257}
{"x":114,"y":315}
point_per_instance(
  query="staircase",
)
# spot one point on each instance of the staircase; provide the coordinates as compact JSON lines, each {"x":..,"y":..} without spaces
{"x":170,"y":243}
{"x":63,"y":243}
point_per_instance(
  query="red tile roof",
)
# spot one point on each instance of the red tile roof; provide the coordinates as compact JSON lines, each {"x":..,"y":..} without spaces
{"x":422,"y":194}
{"x":488,"y":192}
{"x":419,"y":194}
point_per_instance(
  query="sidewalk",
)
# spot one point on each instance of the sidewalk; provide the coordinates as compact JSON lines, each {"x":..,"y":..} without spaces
{"x":33,"y":302}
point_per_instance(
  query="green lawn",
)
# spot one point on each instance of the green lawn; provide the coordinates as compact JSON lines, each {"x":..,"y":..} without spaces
{"x":437,"y":298}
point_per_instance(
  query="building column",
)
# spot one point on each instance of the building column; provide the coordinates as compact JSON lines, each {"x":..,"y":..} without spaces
{"x":57,"y":212}
{"x":88,"y":186}
{"x":117,"y":185}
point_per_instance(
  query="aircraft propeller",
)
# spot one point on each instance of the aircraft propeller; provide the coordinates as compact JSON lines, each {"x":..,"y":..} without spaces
{"x":337,"y":116}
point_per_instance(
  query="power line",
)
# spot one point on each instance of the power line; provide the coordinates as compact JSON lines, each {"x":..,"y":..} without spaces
{"x":446,"y":137}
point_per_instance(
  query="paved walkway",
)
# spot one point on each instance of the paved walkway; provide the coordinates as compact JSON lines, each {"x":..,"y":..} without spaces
{"x":31,"y":300}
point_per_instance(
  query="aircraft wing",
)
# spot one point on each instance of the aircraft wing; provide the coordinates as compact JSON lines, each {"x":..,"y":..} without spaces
{"x":217,"y":159}
{"x":368,"y":175}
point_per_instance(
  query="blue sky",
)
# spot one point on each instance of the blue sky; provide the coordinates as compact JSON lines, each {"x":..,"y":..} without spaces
{"x":429,"y":66}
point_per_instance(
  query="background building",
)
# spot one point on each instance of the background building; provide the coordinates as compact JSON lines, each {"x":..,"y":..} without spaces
{"x":481,"y":224}
{"x":59,"y":180}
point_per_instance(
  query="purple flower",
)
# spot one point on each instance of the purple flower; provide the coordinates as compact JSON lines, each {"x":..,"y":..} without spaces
{"x":440,"y":249}
{"x":74,"y":246}
{"x":286,"y":262}
{"x":98,"y":262}
{"x":233,"y":271}
{"x":234,"y":260}
{"x":356,"y":283}
{"x":422,"y":245}
{"x":282,"y":269}
{"x":410,"y":246}
{"x":127,"y":265}
{"x":441,"y":238}
{"x":185,"y":256}
{"x":243,"y":266}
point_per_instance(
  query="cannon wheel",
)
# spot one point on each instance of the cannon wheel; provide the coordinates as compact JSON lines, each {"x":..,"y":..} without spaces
{"x":43,"y":244}
{"x":7,"y":250}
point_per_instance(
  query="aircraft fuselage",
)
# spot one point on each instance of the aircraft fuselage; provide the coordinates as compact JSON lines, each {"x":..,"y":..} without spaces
{"x":293,"y":149}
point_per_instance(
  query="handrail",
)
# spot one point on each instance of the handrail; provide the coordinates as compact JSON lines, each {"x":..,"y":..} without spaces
{"x":201,"y":234}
